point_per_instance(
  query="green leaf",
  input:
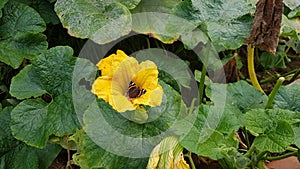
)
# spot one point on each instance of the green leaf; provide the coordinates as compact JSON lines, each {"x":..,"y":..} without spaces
{"x":161,"y":6}
{"x":106,"y":20}
{"x":288,"y":97}
{"x":209,"y":142}
{"x":272,"y":128}
{"x":193,"y":38}
{"x":292,"y":4}
{"x":223,"y":120}
{"x":13,"y":152}
{"x":278,"y":61}
{"x":290,"y":27}
{"x":109,"y":129}
{"x":260,"y":121}
{"x":295,"y":12}
{"x":207,"y":136}
{"x":296,"y":129}
{"x":34,"y":121}
{"x":20,"y":29}
{"x":44,"y":8}
{"x":2,"y":3}
{"x":50,"y":73}
{"x":153,"y":18}
{"x":90,"y":155}
{"x":239,"y":94}
{"x":228,"y":24}
{"x":229,"y":33}
{"x":276,"y":140}
{"x":47,"y":156}
{"x":26,"y":77}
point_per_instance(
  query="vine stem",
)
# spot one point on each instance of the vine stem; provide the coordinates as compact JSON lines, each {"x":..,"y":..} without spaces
{"x":251,"y":69}
{"x":294,"y":153}
{"x":69,"y":154}
{"x":189,"y":156}
{"x":261,"y":155}
{"x":250,"y":151}
{"x":275,"y":77}
{"x":274,"y":92}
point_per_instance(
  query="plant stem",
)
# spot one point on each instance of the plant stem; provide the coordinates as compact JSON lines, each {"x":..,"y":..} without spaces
{"x":246,"y":137}
{"x":69,"y":164}
{"x":201,"y":84}
{"x":294,"y":153}
{"x":189,"y":155}
{"x":260,"y":155}
{"x":251,"y":69}
{"x":250,"y":151}
{"x":274,"y":92}
{"x":270,"y":79}
{"x":295,"y":76}
{"x":261,"y":165}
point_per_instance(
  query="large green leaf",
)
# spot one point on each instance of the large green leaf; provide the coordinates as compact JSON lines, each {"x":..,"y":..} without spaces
{"x":20,"y":29}
{"x":2,"y":3}
{"x":276,"y":140}
{"x":239,"y":94}
{"x":295,"y":12}
{"x":161,"y":6}
{"x":44,"y":8}
{"x":228,"y":24}
{"x":50,"y":73}
{"x":117,"y":133}
{"x":211,"y":134}
{"x":288,"y":97}
{"x":297,"y":135}
{"x":292,"y":4}
{"x":272,"y":128}
{"x":209,"y":142}
{"x":259,"y":121}
{"x":290,"y":27}
{"x":153,"y":18}
{"x":13,"y":153}
{"x":103,"y":21}
{"x":90,"y":155}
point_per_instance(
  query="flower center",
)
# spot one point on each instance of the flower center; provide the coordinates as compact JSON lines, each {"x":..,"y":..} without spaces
{"x":134,"y":91}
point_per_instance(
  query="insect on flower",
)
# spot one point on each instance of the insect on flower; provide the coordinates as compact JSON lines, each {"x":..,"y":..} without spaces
{"x":134,"y":91}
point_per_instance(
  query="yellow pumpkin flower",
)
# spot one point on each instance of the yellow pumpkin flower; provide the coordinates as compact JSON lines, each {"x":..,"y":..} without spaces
{"x":125,"y":84}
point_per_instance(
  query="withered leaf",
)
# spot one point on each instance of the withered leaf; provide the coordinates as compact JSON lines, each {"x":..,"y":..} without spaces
{"x":266,"y":26}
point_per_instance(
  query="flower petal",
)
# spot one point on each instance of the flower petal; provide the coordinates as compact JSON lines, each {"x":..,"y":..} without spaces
{"x":109,"y":64}
{"x":147,"y":77}
{"x":150,"y":98}
{"x":102,"y":87}
{"x":123,"y":75}
{"x":121,"y":103}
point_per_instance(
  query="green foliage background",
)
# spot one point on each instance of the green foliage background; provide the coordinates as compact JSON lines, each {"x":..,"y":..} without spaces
{"x":40,"y":43}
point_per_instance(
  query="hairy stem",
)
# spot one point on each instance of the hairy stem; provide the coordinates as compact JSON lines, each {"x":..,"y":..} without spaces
{"x":251,"y":69}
